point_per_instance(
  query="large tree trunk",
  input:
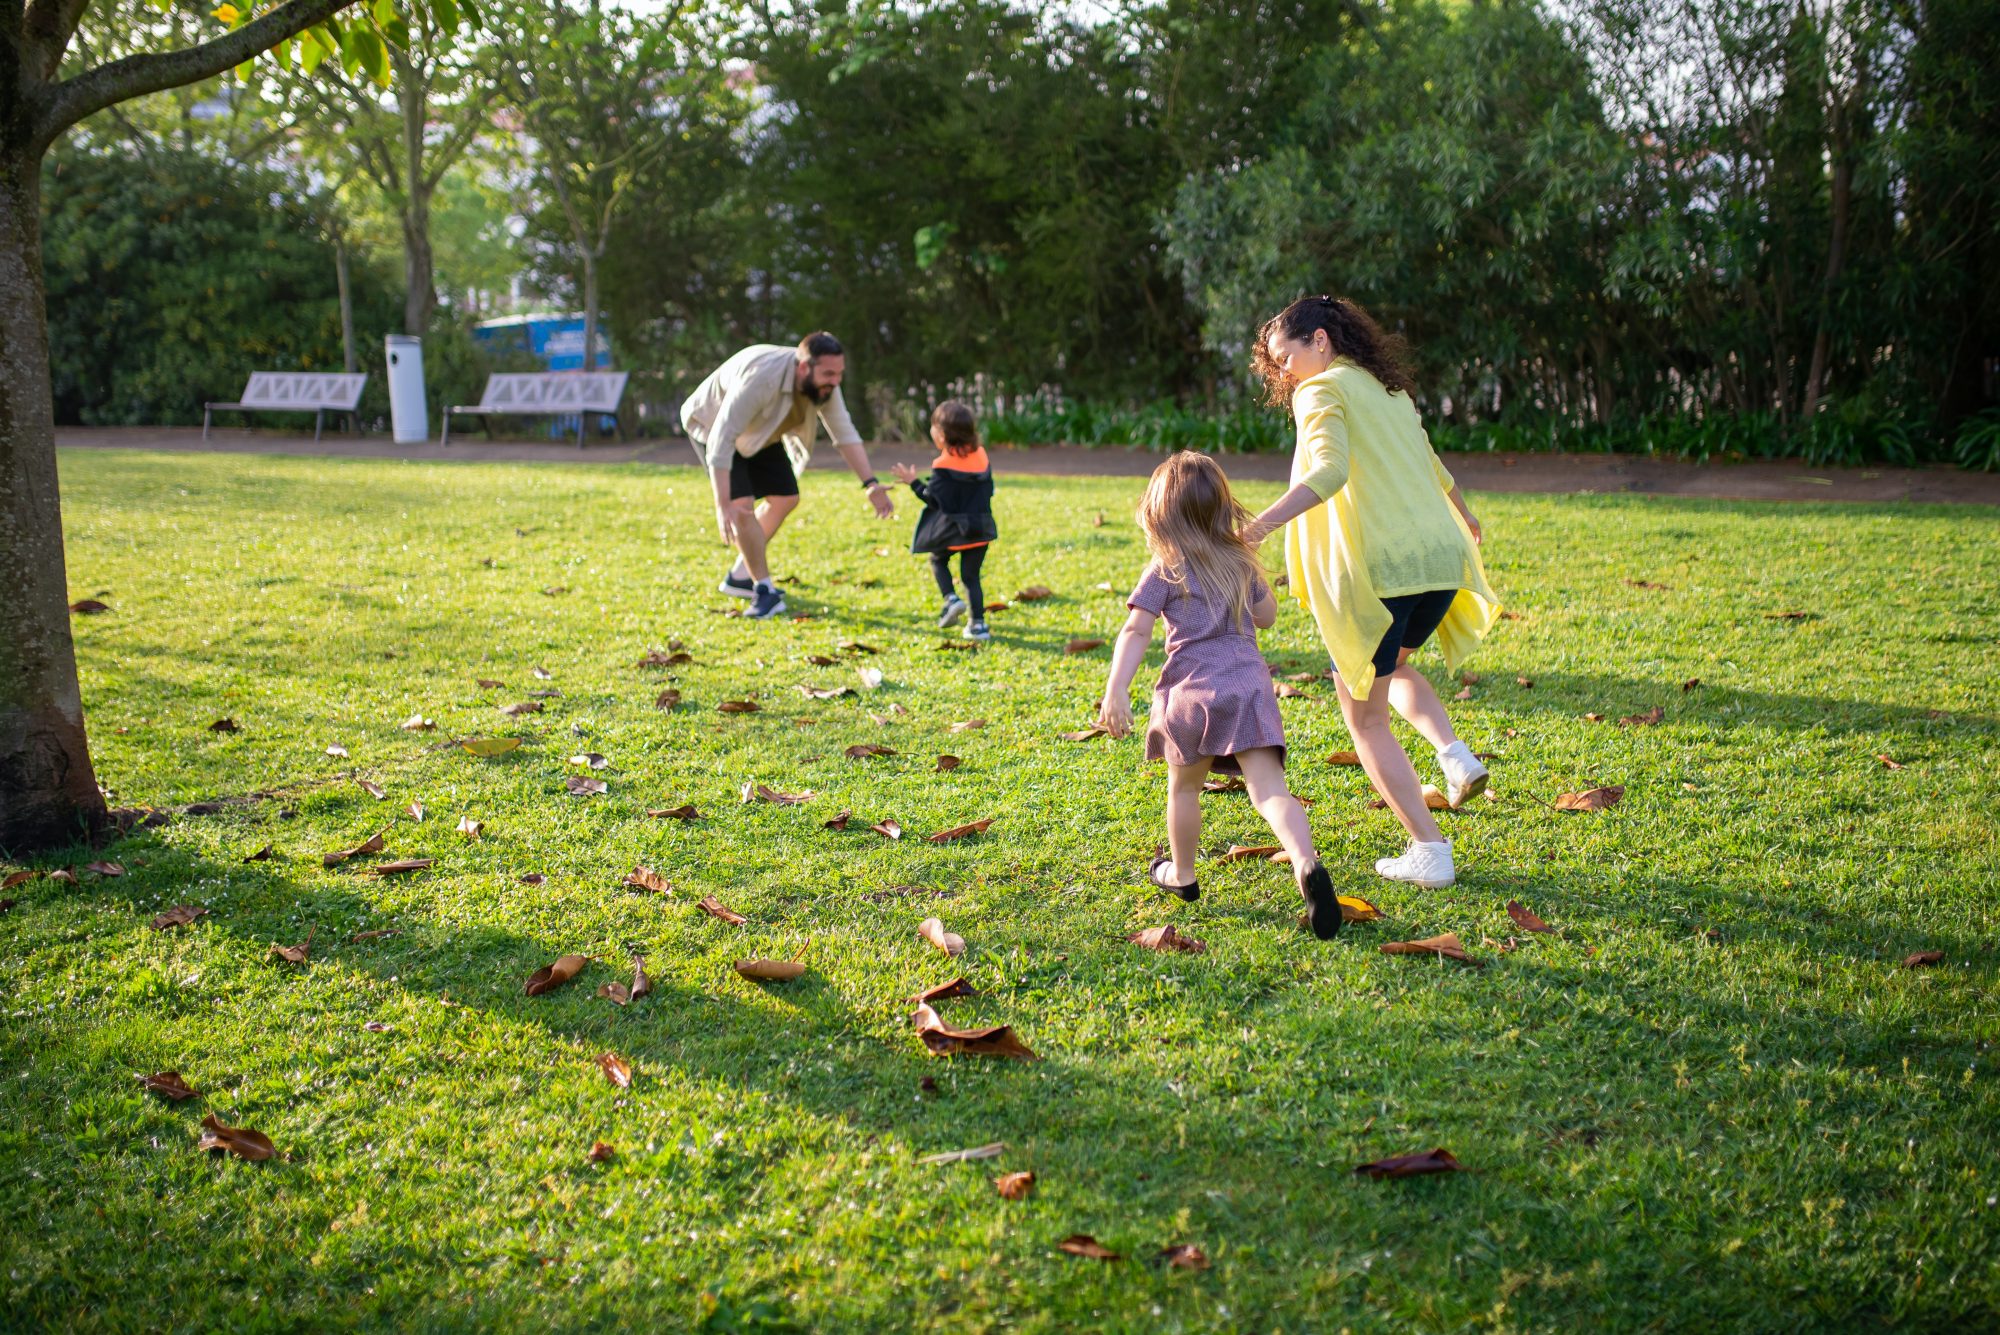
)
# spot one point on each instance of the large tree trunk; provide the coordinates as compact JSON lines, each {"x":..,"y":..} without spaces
{"x":420,"y":291}
{"x":342,"y":278}
{"x":589,"y":310}
{"x":48,"y":792}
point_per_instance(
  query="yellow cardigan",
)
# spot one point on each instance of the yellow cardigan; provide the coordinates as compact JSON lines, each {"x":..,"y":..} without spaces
{"x":1387,"y":527}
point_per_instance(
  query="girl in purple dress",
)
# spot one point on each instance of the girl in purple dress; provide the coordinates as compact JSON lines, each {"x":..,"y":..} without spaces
{"x":1214,"y":707}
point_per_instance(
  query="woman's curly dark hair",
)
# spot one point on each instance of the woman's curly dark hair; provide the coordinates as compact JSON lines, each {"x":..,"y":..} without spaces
{"x":1355,"y":337}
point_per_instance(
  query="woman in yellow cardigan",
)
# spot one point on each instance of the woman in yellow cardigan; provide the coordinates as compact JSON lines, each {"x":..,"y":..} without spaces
{"x":1380,"y":548}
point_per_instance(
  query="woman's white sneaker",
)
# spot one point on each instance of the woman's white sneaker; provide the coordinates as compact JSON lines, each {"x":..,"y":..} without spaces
{"x":1428,"y":865}
{"x":1464,"y":777}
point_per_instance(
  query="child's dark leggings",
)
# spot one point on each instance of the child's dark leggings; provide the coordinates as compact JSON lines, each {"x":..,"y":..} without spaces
{"x":969,"y":562}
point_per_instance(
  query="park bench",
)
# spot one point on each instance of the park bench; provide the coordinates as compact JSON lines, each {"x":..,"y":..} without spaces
{"x":315,"y":392}
{"x":542,"y":393}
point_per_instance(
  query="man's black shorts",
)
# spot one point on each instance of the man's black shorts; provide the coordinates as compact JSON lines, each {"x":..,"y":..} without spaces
{"x":768,"y":472}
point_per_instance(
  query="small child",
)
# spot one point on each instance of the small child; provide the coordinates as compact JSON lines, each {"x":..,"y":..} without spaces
{"x":958,"y":514}
{"x":1214,"y":706}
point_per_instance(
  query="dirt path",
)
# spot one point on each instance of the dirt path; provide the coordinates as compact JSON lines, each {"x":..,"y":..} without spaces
{"x":1476,"y":472}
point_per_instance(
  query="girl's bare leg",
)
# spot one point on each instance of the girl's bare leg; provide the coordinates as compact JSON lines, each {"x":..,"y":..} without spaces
{"x":1387,"y":764}
{"x":1264,"y":775}
{"x":1184,"y":817}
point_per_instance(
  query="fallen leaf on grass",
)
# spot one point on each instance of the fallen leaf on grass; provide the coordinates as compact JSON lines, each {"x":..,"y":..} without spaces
{"x":764,"y":793}
{"x":888,"y":829}
{"x":398,"y":868}
{"x":1241,"y":852}
{"x":616,"y":993}
{"x":821,"y":660}
{"x":960,"y":831}
{"x":838,"y":822}
{"x":488,"y":747}
{"x":63,"y":875}
{"x":533,"y":878}
{"x":946,"y":645}
{"x":1592,"y":799}
{"x":487,"y":683}
{"x":857,"y":647}
{"x":676,"y":813}
{"x":1593,"y":718}
{"x":1445,"y":946}
{"x":415,"y":811}
{"x":1284,"y":690}
{"x":1787,"y":616}
{"x":972,"y":1155}
{"x":543,"y":674}
{"x":946,"y":764}
{"x":104,"y":868}
{"x":582,"y":787}
{"x":655,"y":659}
{"x":1353,"y":908}
{"x":377,"y":934}
{"x":590,"y":759}
{"x":1690,"y":684}
{"x":180,"y":915}
{"x":1921,"y":958}
{"x":552,"y":976}
{"x":1645,"y":720}
{"x":1524,"y":683}
{"x":641,"y":984}
{"x":871,"y":678}
{"x":374,"y":790}
{"x":338,"y":751}
{"x":1525,"y":920}
{"x":1082,"y":1244}
{"x":1014,"y":1186}
{"x":615,"y":1070}
{"x":418,"y":723}
{"x":1169,"y":939}
{"x":645,"y":878}
{"x":668,"y":699}
{"x":1645,"y":584}
{"x":469,"y":827}
{"x":23,"y":877}
{"x":997,"y":605}
{"x":770,"y":971}
{"x":867,"y":750}
{"x":86,"y":606}
{"x":932,"y":930}
{"x":524,"y":707}
{"x":1462,"y":693}
{"x":169,"y":1085}
{"x":737,"y":707}
{"x":224,"y":725}
{"x":372,"y":844}
{"x":1888,"y":763}
{"x":1228,"y":783}
{"x":996,"y":1041}
{"x":601,"y":1153}
{"x":1086,"y":734}
{"x":1436,"y":800}
{"x":295,"y":954}
{"x":1343,"y":758}
{"x":1184,"y":1256}
{"x":1081,"y":646}
{"x":826,"y":692}
{"x":713,"y":907}
{"x":1034,"y":593}
{"x":240,"y":1141}
{"x":957,"y":987}
{"x":967,"y":726}
{"x":1412,"y":1165}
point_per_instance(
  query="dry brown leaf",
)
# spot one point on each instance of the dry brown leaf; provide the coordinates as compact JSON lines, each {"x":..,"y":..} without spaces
{"x":655,"y":659}
{"x":533,"y":878}
{"x":418,"y":723}
{"x":488,"y":747}
{"x":821,"y":660}
{"x":105,"y":868}
{"x":645,"y":878}
{"x":826,"y":692}
{"x":377,"y":934}
{"x":543,"y":674}
{"x":1184,"y":1256}
{"x":169,"y":1085}
{"x":870,"y":678}
{"x":1787,"y":616}
{"x":1646,"y":584}
{"x":590,"y":759}
{"x":1412,"y":1165}
{"x":960,"y":831}
{"x":770,"y":971}
{"x":997,"y":605}
{"x":972,"y":1155}
{"x":1082,"y":1244}
{"x":1436,"y":800}
{"x":488,"y":684}
{"x":1034,"y":593}
{"x":415,"y":811}
{"x":1690,"y":684}
{"x":1888,"y":763}
{"x":1645,"y":720}
{"x":551,"y":976}
{"x":932,"y":930}
{"x":1228,"y":783}
{"x":398,"y":868}
{"x":867,"y":750}
{"x":641,"y":983}
{"x":1593,"y":799}
{"x":224,"y":725}
{"x":1086,"y":734}
{"x":615,"y":1070}
{"x":601,"y":1153}
{"x":295,"y":954}
{"x":713,"y":907}
{"x":1167,"y":938}
{"x":967,"y":646}
{"x":888,"y":829}
{"x":1241,"y":852}
{"x":1445,"y":946}
{"x":669,"y":699}
{"x":967,"y":726}
{"x":1524,"y":919}
{"x":1921,"y":958}
{"x":579,"y":786}
{"x":996,"y":1041}
{"x":957,"y":987}
{"x":838,"y":822}
{"x":1014,"y":1186}
{"x":1343,"y":758}
{"x":374,"y":790}
{"x":763,"y":793}
{"x":524,"y":707}
{"x":737,"y":707}
{"x":676,"y":813}
{"x":1462,"y":693}
{"x":372,"y":844}
{"x":1082,"y":646}
{"x":87,"y":606}
{"x":1593,"y":718}
{"x":23,"y":877}
{"x":180,"y":915}
{"x":946,"y":764}
{"x":337,"y":751}
{"x":857,"y":647}
{"x":1284,"y":690}
{"x":1353,"y":908}
{"x":469,"y":827}
{"x":240,"y":1141}
{"x":1524,"y":683}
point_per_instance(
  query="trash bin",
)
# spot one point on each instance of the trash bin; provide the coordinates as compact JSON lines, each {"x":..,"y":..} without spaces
{"x":409,"y":421}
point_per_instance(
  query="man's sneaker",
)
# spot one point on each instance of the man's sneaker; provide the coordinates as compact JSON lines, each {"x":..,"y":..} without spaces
{"x":769,"y":601}
{"x":1464,"y":777}
{"x":977,"y":631}
{"x":954,"y":612}
{"x":737,"y":586}
{"x":1428,"y":865}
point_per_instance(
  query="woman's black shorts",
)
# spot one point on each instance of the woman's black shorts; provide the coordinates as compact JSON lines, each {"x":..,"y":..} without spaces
{"x":1414,"y":618}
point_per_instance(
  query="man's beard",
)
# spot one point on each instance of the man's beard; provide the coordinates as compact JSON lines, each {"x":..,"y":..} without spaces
{"x":817,"y":392}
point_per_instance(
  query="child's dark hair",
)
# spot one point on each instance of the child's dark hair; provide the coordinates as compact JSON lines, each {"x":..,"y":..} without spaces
{"x":954,"y":421}
{"x":1353,"y":334}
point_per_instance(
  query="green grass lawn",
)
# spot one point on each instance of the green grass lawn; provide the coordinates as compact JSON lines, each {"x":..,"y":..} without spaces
{"x":1713,"y":1098}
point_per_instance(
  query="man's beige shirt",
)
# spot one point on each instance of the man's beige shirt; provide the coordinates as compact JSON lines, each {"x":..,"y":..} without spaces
{"x":752,"y":400}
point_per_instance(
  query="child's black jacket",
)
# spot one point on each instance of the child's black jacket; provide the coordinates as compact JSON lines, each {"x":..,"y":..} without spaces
{"x":958,"y":511}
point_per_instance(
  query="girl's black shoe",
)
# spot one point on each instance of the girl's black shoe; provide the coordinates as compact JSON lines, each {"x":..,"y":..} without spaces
{"x":1190,"y":892}
{"x":1322,"y":904}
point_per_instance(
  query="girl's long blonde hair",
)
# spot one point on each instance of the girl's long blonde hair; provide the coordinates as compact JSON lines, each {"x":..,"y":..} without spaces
{"x":1193,"y":528}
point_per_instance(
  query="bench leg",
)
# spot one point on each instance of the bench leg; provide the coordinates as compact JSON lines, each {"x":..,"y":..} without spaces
{"x":319,"y":420}
{"x":205,"y":411}
{"x":444,"y":438}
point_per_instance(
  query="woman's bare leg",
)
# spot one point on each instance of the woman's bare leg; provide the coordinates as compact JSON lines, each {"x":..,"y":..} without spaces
{"x":1387,"y":764}
{"x":1412,"y":696}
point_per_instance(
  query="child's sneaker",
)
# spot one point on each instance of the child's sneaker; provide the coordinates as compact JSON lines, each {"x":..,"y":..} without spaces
{"x":977,"y":631}
{"x":1464,"y":777}
{"x":953,"y":612}
{"x":1428,"y":865}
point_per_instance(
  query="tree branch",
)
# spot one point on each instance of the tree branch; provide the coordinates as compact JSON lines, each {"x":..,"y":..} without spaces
{"x":134,"y":76}
{"x":48,"y":25}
